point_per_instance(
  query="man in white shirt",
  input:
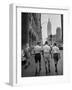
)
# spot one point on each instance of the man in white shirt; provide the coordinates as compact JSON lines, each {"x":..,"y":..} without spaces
{"x":56,"y":55}
{"x":46,"y":50}
{"x":37,"y":51}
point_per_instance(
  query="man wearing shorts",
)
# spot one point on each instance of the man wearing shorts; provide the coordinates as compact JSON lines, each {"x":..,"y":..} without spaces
{"x":56,"y":54}
{"x":46,"y":50}
{"x":37,"y":50}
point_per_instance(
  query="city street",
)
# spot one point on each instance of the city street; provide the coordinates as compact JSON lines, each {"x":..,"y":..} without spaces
{"x":30,"y":70}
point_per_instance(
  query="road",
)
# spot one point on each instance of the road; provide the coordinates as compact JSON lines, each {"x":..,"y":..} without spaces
{"x":30,"y":70}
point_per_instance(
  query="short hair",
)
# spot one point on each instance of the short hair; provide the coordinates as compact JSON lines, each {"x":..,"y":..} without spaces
{"x":46,"y":42}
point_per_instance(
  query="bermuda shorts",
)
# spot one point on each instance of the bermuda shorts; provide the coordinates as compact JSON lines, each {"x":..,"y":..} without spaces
{"x":55,"y":56}
{"x":46,"y":57}
{"x":37,"y":57}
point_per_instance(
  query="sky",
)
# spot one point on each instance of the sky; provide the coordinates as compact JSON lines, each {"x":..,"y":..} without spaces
{"x":55,"y":20}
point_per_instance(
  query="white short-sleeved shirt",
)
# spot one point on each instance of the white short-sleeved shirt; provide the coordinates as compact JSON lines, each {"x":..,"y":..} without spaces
{"x":46,"y":49}
{"x":55,"y":49}
{"x":37,"y":49}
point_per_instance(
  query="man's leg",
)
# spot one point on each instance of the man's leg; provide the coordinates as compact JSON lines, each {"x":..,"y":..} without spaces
{"x":56,"y":62}
{"x":36,"y":66}
{"x":37,"y":69}
{"x":49,"y":66}
{"x":46,"y":64}
{"x":39,"y":65}
{"x":56,"y":67}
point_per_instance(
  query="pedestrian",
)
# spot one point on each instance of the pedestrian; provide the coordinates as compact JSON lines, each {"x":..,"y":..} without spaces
{"x":27,"y":55}
{"x":46,"y":50}
{"x":56,"y":55}
{"x":37,"y":51}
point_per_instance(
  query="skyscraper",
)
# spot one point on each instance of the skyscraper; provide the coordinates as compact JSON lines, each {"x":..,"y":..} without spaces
{"x":58,"y":34}
{"x":49,"y":32}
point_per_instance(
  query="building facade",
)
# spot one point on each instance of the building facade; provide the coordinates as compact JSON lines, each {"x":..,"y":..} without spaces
{"x":58,"y":34}
{"x":31,"y":28}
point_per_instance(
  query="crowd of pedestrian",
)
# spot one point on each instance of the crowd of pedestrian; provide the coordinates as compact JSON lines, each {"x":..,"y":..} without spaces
{"x":38,"y":51}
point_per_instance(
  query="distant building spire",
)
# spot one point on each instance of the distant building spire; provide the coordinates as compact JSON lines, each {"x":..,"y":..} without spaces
{"x":49,"y":27}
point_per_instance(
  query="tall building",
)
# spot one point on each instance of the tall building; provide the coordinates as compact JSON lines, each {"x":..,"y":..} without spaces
{"x":31,"y":28}
{"x":24,"y":28}
{"x":49,"y":32}
{"x":58,"y":34}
